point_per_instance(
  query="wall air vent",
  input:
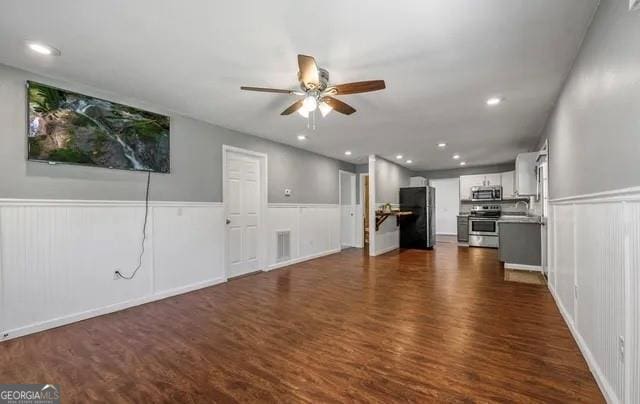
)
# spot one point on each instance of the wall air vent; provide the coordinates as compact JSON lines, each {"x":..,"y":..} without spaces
{"x":634,"y":4}
{"x":283,"y":251}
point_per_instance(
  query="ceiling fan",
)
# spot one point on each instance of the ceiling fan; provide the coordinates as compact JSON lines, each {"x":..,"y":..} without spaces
{"x":317,"y":92}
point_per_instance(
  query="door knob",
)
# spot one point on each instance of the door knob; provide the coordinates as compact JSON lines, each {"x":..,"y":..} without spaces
{"x":228,"y":221}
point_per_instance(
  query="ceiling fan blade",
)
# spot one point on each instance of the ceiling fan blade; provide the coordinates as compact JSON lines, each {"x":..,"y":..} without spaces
{"x":293,"y":108}
{"x":359,"y":87}
{"x":308,"y":72}
{"x":339,"y":106}
{"x":266,"y":90}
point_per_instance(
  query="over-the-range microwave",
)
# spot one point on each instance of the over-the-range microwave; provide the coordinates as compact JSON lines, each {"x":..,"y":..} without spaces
{"x":490,"y":193}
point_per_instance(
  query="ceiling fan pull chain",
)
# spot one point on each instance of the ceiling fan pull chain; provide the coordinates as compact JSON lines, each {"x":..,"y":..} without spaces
{"x":313,"y":126}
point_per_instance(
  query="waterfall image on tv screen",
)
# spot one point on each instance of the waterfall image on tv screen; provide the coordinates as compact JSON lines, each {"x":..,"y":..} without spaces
{"x":66,"y":127}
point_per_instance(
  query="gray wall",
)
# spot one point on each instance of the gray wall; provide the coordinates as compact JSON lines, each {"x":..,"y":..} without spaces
{"x":389,"y":178}
{"x":594,"y":131}
{"x":196,"y":160}
{"x":456,"y":172}
{"x":362,"y":168}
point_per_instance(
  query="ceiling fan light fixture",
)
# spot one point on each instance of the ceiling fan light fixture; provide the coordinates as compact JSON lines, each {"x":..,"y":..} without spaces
{"x":325,"y":108}
{"x":303,"y":112}
{"x":310,"y":103}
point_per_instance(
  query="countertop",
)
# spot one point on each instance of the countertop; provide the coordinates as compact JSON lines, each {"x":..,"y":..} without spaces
{"x":520,"y":219}
{"x":514,"y":218}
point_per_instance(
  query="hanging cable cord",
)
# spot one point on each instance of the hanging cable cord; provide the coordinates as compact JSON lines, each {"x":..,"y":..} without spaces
{"x":144,"y":234}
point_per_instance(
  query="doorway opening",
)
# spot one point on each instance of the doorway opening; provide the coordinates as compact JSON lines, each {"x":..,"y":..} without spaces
{"x":364,"y":211}
{"x":347,"y":196}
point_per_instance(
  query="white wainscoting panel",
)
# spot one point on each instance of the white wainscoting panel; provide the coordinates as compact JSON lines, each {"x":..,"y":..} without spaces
{"x":632,"y":342}
{"x":359,"y":226}
{"x":192,"y":246}
{"x":57,"y":258}
{"x":387,"y":238}
{"x":595,"y":245}
{"x":315,"y":230}
{"x":564,"y":263}
{"x":599,"y":311}
{"x":282,"y":218}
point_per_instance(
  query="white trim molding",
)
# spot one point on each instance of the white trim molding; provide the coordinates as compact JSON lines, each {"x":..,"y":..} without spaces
{"x":594,"y":277}
{"x":102,"y":203}
{"x":617,"y":195}
{"x":523,"y":267}
{"x":283,"y":205}
{"x":372,"y":205}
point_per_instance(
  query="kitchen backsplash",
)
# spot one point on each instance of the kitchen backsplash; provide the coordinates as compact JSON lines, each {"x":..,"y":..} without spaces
{"x":508,"y":207}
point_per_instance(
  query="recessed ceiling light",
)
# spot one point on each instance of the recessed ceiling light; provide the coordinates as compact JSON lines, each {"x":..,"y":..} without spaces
{"x":302,"y":137}
{"x":409,"y":161}
{"x":494,"y":101}
{"x":463,"y":163}
{"x":43,"y":49}
{"x":456,"y":156}
{"x":399,"y":156}
{"x":348,"y":153}
{"x":442,"y":145}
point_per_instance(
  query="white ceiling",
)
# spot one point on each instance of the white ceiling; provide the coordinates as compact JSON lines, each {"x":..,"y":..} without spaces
{"x":441,"y":59}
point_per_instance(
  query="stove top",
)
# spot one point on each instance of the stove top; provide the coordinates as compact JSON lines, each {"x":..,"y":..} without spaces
{"x":486,"y":211}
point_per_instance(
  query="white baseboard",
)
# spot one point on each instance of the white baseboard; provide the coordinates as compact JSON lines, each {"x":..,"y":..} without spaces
{"x":604,"y":386}
{"x":301,"y":259}
{"x":72,"y":318}
{"x":386,"y":250}
{"x":523,"y":267}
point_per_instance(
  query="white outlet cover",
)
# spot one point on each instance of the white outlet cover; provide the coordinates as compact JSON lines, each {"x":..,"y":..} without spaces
{"x":634,"y":4}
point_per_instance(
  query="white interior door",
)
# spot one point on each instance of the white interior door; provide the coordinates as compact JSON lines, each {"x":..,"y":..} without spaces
{"x":348,"y":209}
{"x":242,"y":205}
{"x":447,"y":205}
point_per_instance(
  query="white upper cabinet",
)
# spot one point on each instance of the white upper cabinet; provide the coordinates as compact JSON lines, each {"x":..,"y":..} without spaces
{"x":468,"y":181}
{"x":508,"y":184}
{"x":418,"y":182}
{"x":525,"y":184}
{"x":492,"y":180}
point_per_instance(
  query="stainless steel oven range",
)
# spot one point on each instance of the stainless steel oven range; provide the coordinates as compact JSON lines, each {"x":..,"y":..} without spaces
{"x":483,"y":226}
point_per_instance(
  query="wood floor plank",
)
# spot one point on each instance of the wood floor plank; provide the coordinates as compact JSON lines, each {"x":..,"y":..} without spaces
{"x":416,"y":326}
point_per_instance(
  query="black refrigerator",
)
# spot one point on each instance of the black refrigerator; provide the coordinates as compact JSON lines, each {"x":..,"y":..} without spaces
{"x":418,"y":230}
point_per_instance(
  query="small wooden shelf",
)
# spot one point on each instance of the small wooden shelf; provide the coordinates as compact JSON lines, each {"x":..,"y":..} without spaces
{"x":382,"y":216}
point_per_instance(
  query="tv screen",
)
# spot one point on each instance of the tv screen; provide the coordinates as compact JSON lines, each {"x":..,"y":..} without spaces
{"x":66,"y":127}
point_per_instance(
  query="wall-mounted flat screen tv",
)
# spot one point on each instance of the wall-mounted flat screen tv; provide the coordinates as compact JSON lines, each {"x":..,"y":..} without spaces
{"x":71,"y":128}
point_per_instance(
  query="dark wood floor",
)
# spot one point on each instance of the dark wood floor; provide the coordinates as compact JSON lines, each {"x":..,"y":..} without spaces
{"x":415,"y":326}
